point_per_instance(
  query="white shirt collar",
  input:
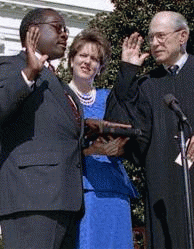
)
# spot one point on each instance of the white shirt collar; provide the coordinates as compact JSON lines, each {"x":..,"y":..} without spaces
{"x":38,"y":55}
{"x":180,"y":63}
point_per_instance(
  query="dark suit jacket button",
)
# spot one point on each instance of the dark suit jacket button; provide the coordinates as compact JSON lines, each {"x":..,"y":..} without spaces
{"x":78,"y":165}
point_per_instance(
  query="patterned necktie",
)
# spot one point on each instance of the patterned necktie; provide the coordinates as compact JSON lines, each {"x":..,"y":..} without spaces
{"x":173,"y":69}
{"x":74,"y":108}
{"x":51,"y":67}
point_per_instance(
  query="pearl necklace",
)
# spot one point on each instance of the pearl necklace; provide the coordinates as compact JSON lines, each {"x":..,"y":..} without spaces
{"x":85,"y":98}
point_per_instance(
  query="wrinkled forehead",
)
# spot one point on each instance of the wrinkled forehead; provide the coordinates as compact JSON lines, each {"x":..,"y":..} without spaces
{"x":161,"y":23}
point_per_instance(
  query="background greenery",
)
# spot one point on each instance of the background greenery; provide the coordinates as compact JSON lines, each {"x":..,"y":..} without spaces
{"x":127,"y":17}
{"x":130,"y":16}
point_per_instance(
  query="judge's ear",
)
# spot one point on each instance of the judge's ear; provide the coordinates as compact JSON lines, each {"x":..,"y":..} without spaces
{"x":184,"y":36}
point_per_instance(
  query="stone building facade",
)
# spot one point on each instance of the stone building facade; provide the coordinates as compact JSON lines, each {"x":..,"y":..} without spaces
{"x":12,"y":12}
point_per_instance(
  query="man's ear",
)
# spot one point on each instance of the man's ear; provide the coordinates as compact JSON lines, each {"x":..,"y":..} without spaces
{"x":184,"y":36}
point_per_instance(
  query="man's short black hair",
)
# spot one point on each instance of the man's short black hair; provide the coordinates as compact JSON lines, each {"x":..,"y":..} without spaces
{"x":34,"y":16}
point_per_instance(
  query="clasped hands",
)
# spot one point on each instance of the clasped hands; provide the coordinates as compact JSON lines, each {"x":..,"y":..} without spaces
{"x":110,"y":146}
{"x":101,"y":143}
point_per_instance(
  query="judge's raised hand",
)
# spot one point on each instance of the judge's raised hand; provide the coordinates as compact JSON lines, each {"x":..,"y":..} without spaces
{"x":34,"y":64}
{"x":131,"y":50}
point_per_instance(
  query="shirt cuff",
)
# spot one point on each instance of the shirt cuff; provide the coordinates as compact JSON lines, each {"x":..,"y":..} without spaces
{"x":30,"y":83}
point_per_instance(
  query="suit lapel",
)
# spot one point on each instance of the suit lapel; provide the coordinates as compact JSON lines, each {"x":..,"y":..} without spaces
{"x":74,"y":97}
{"x":57,"y":89}
{"x":78,"y":105}
{"x":49,"y":80}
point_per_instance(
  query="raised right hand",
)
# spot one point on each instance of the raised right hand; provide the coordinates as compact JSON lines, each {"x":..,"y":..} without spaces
{"x":34,"y":64}
{"x":131,"y":50}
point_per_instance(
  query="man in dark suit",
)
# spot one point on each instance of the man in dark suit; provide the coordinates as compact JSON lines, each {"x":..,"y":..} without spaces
{"x":143,"y":98}
{"x":40,"y":141}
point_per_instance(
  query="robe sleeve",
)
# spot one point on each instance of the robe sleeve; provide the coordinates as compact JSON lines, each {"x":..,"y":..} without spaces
{"x":126,"y":104}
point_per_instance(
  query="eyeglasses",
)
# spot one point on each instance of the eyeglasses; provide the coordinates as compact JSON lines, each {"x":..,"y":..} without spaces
{"x":160,"y":36}
{"x":58,"y":27}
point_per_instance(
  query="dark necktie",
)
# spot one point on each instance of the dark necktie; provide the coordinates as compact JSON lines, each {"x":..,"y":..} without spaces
{"x":173,"y":69}
{"x":74,"y":108}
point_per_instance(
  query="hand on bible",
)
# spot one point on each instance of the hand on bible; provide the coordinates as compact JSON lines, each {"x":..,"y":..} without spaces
{"x":95,"y":128}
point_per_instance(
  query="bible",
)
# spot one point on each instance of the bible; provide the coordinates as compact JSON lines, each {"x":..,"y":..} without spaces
{"x":94,"y":128}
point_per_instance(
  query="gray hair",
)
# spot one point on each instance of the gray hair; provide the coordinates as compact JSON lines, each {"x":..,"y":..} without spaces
{"x":178,"y":21}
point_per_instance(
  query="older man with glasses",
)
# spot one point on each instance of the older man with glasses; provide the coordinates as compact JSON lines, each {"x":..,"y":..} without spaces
{"x":166,"y":208}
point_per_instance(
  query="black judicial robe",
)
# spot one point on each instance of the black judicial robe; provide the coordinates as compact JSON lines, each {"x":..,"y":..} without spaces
{"x":166,"y":205}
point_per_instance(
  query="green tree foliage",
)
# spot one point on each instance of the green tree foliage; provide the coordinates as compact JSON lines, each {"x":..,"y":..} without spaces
{"x":135,"y":15}
{"x":1,"y":243}
{"x":127,"y":17}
